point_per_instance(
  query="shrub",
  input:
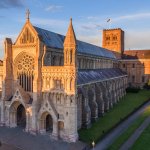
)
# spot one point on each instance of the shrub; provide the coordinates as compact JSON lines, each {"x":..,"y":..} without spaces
{"x":146,"y":86}
{"x":132,"y":90}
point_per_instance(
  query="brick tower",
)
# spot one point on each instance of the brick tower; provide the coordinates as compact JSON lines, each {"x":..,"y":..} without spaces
{"x":113,"y":39}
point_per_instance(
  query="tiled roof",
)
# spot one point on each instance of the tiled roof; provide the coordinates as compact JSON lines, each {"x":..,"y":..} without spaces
{"x":90,"y":75}
{"x":55,"y":40}
{"x":136,"y":54}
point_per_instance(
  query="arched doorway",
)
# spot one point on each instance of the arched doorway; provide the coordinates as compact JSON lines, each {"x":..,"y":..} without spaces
{"x":46,"y":123}
{"x":21,"y":116}
{"x":49,"y":123}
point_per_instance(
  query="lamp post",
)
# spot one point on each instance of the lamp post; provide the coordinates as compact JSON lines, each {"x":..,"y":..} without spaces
{"x":93,"y":144}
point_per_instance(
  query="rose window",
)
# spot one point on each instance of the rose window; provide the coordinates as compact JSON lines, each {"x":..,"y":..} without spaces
{"x":25,"y":68}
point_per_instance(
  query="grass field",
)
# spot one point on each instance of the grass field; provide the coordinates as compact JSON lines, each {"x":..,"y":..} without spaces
{"x":124,"y":137}
{"x":143,"y":142}
{"x":127,"y":105}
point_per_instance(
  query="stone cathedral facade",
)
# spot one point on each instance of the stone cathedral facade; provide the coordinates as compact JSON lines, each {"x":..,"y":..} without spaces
{"x":54,"y":84}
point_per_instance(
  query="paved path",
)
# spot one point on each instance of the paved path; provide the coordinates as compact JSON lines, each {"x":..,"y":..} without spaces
{"x":16,"y":139}
{"x":8,"y":147}
{"x":110,"y":138}
{"x":128,"y":144}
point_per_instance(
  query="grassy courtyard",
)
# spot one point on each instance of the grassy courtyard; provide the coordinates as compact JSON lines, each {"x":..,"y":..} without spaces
{"x":125,"y":136}
{"x":127,"y":105}
{"x":143,"y":142}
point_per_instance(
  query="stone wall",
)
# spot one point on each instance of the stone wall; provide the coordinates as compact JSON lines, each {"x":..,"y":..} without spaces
{"x":98,"y":98}
{"x":138,"y":71}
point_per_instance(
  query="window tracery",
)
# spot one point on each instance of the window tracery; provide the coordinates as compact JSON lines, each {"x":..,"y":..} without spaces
{"x":24,"y":68}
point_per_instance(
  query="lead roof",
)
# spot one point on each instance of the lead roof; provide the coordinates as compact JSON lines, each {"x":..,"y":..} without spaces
{"x":55,"y":40}
{"x":86,"y":76}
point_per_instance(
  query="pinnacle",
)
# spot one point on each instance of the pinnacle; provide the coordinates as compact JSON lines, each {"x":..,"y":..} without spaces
{"x":70,"y":38}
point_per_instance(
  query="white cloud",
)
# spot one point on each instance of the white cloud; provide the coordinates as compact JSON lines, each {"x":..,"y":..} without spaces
{"x":49,"y":22}
{"x":2,"y":38}
{"x":133,"y":16}
{"x":11,"y":3}
{"x":102,"y":20}
{"x":54,"y":8}
{"x":92,"y":17}
{"x":93,"y":39}
{"x":137,"y":40}
{"x":1,"y":48}
{"x":54,"y":25}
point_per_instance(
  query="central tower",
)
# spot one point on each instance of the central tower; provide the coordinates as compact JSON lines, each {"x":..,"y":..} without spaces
{"x":113,"y":39}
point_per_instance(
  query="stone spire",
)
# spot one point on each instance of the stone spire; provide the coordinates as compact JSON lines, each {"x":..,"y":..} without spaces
{"x":70,"y":47}
{"x":70,"y":39}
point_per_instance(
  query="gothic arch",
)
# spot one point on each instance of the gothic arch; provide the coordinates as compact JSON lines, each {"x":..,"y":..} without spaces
{"x":24,"y":70}
{"x":17,"y":114}
{"x":46,"y":122}
{"x":46,"y":109}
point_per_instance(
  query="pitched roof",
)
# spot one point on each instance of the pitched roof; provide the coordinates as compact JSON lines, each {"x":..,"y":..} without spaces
{"x":92,"y":75}
{"x":55,"y":40}
{"x":136,"y":54}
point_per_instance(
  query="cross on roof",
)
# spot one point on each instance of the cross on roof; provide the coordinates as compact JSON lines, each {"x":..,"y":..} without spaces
{"x":27,"y":14}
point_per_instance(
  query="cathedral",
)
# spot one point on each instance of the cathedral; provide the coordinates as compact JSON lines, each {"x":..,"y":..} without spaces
{"x":54,"y":84}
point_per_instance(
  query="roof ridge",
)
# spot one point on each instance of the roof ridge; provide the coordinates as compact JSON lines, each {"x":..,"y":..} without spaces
{"x":48,"y":30}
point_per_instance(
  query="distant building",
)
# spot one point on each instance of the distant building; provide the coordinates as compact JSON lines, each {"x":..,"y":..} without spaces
{"x":137,"y":65}
{"x":135,"y":62}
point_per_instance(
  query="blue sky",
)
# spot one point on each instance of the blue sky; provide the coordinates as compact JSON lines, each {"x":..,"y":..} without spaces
{"x":89,"y":18}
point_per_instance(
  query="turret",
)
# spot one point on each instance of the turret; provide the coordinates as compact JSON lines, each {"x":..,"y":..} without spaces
{"x":70,"y":46}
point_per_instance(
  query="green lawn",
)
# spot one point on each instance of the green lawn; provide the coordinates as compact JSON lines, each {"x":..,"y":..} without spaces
{"x":124,"y":137}
{"x":120,"y":111}
{"x":143,"y":142}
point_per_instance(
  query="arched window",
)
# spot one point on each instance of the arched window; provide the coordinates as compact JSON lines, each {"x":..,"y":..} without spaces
{"x":53,"y":60}
{"x":24,"y":67}
{"x":107,"y":38}
{"x":114,"y":38}
{"x":70,"y":56}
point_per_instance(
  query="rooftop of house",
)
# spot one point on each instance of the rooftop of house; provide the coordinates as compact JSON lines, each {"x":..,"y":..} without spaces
{"x":136,"y":54}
